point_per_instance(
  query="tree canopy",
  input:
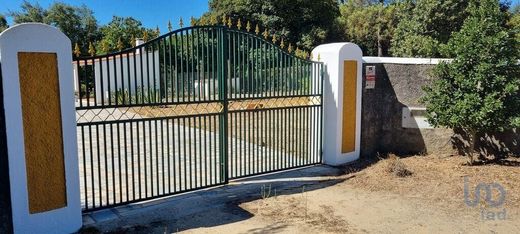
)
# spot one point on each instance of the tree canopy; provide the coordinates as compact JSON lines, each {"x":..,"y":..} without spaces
{"x":3,"y":23}
{"x":405,"y":28}
{"x":81,"y":26}
{"x":121,"y":32}
{"x":78,"y":23}
{"x":426,"y":25}
{"x":514,"y":22}
{"x":29,"y":13}
{"x":370,"y":24}
{"x":305,"y":23}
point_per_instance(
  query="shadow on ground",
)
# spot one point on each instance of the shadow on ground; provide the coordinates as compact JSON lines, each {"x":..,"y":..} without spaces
{"x":211,"y":207}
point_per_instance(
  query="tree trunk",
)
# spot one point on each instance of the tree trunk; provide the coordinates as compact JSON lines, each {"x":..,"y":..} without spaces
{"x":379,"y":46}
{"x":379,"y":25}
{"x":471,"y":149}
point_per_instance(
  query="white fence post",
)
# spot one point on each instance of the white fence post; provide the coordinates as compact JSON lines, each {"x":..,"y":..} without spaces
{"x":40,"y":120}
{"x":342,"y":101}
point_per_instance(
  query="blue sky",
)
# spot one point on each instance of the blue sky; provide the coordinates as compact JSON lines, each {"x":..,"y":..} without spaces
{"x":151,"y":13}
{"x":515,"y":2}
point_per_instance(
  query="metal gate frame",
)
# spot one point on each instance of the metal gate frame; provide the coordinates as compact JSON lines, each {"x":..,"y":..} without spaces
{"x":281,"y":96}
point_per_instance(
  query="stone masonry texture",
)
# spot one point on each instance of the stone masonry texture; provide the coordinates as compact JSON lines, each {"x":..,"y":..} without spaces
{"x":398,"y":86}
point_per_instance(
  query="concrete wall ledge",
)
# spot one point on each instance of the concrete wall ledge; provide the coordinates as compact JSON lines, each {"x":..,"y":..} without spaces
{"x":411,"y":61}
{"x":406,"y":61}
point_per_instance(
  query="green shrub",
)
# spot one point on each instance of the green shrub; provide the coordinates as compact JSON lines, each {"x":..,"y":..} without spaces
{"x":479,"y":90}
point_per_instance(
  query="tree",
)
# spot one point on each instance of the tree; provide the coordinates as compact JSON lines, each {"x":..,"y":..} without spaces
{"x":78,"y":23}
{"x":307,"y":23}
{"x":29,"y":13}
{"x":478,"y":91}
{"x":426,"y":25}
{"x":90,"y":31}
{"x":514,"y":22}
{"x":369,"y":24}
{"x":122,"y":32}
{"x":3,"y":23}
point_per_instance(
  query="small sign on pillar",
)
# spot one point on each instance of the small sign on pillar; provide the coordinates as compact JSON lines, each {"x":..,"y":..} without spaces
{"x":37,"y":117}
{"x":370,"y":77}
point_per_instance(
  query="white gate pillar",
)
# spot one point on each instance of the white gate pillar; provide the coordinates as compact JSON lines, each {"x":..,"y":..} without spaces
{"x":40,"y":130}
{"x":342,"y":101}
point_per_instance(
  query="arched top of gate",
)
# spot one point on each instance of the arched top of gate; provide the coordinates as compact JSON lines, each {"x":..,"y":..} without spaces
{"x":222,"y":28}
{"x":269,"y":43}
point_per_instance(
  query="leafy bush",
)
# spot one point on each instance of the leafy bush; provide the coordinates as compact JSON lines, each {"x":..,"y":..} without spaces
{"x":479,"y":90}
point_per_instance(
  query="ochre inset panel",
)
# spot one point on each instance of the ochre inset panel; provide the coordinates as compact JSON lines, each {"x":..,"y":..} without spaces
{"x":42,"y":127}
{"x":348,"y":142}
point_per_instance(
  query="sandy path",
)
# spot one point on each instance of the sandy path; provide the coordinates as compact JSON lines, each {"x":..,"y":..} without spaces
{"x":344,"y":209}
{"x":323,"y":199}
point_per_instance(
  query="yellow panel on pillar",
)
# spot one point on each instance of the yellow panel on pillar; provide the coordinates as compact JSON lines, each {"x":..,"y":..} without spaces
{"x":348,"y":141}
{"x":41,"y":111}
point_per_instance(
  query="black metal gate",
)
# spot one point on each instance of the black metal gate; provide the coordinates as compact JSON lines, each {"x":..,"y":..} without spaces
{"x":192,"y":109}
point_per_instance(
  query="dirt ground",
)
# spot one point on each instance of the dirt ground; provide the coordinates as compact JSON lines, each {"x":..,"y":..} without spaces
{"x":374,"y":198}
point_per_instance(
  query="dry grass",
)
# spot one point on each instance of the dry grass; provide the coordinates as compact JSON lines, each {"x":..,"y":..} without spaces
{"x":216,"y":107}
{"x":294,"y":210}
{"x":438,"y":179}
{"x":395,"y":166}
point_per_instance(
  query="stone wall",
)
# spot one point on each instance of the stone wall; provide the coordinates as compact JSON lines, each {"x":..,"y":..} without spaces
{"x":398,"y":86}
